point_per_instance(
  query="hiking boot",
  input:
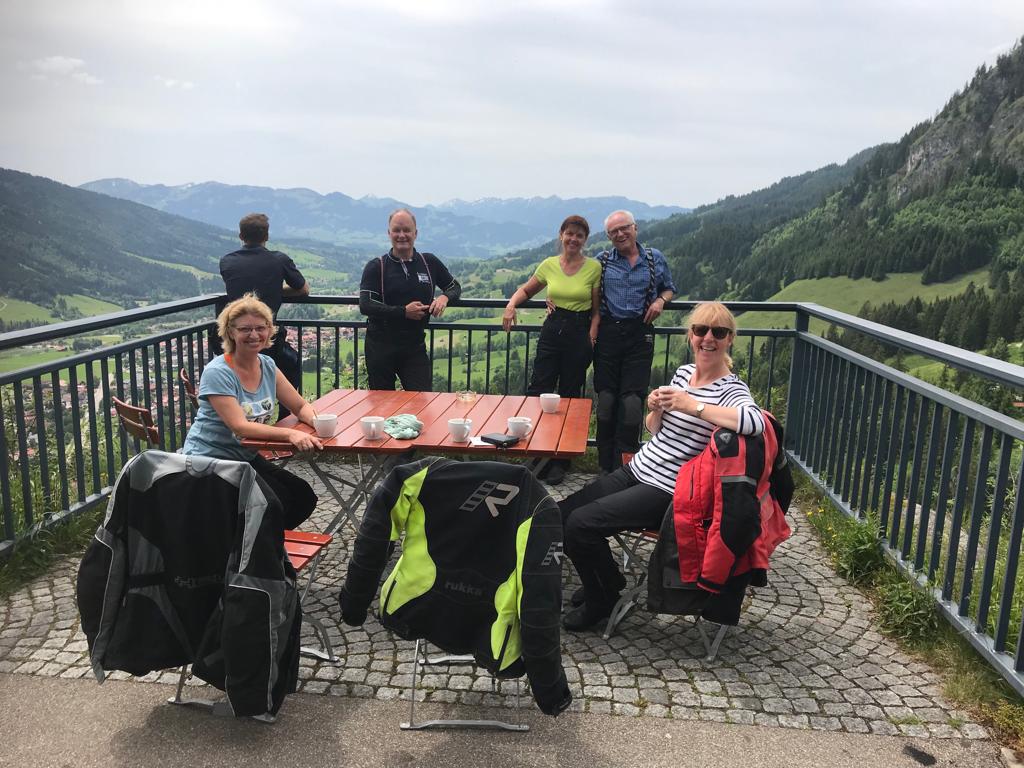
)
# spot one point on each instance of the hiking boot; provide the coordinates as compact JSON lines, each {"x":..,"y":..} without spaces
{"x":579,"y":596}
{"x":586,"y":617}
{"x":555,"y":473}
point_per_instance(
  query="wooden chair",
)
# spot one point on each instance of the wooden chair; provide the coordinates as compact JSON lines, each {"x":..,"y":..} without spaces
{"x":302,"y":548}
{"x":137,"y":422}
{"x":188,"y":389}
{"x":306,"y":549}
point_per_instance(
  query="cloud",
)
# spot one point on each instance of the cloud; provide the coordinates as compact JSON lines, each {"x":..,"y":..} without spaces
{"x":59,"y":67}
{"x":171,"y":82}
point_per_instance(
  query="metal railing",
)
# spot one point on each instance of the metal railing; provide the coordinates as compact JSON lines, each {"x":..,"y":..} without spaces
{"x":942,"y":476}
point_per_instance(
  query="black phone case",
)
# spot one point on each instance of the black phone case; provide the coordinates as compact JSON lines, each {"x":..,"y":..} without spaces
{"x":500,"y":440}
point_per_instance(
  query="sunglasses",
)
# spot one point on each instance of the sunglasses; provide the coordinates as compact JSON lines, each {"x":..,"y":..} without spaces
{"x":700,"y":331}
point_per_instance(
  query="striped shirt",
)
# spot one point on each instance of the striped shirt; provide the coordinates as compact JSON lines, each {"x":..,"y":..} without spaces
{"x":682,"y":436}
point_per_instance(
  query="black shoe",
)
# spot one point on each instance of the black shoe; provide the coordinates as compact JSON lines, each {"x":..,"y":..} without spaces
{"x":579,"y":596}
{"x":555,"y":474}
{"x":586,"y":617}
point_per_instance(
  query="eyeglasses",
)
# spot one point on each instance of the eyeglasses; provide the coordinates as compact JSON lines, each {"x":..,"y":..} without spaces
{"x":700,"y":331}
{"x":245,"y":330}
{"x":620,"y":230}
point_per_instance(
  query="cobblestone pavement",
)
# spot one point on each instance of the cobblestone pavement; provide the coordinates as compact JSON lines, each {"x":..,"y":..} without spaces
{"x":806,"y":654}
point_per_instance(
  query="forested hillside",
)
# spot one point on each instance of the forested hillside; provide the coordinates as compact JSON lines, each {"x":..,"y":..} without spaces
{"x":62,"y":240}
{"x":707,"y":247}
{"x":59,"y":241}
{"x":944,"y":200}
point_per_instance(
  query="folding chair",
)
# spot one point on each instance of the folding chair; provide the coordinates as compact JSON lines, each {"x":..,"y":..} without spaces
{"x":420,"y":662}
{"x":137,"y":422}
{"x":188,"y":389}
{"x":634,"y":566}
{"x":302,"y":548}
{"x":636,"y":572}
{"x":306,"y":549}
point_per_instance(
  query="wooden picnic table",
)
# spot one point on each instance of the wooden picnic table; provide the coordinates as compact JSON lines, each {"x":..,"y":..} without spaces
{"x":562,"y":434}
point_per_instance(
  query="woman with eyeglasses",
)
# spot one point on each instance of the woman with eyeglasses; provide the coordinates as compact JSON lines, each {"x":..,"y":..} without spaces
{"x":238,"y":394}
{"x":702,"y":395}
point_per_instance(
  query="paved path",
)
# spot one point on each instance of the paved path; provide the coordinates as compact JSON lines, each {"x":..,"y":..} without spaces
{"x":76,"y":724}
{"x":806,"y":656}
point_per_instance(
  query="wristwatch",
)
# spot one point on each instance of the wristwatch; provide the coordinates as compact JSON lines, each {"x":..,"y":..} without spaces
{"x":700,"y":409}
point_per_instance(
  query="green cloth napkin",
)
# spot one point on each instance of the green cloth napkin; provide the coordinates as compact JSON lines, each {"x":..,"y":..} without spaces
{"x":404,"y":426}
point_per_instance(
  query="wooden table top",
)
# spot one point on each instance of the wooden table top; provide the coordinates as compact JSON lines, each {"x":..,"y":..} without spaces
{"x":561,"y":434}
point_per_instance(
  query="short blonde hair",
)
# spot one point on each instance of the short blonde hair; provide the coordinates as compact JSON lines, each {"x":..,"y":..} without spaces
{"x":249,"y":304}
{"x":713,"y":313}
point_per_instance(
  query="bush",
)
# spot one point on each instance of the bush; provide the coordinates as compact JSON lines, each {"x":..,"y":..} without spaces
{"x":859,"y":557}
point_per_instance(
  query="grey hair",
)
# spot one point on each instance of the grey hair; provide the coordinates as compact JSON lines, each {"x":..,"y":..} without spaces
{"x":401,"y":210}
{"x":630,"y":216}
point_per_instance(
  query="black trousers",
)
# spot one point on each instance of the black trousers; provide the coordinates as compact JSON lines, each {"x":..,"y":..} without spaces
{"x":296,"y":495}
{"x":622,"y":374}
{"x":563,"y":354}
{"x":402,"y":355}
{"x":612,"y":503}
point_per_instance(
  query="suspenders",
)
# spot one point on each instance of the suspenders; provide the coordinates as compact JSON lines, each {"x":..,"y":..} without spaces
{"x":426,"y":266}
{"x":649,"y":297}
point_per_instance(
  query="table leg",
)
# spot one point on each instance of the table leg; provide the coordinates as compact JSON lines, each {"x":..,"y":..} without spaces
{"x":375,"y":469}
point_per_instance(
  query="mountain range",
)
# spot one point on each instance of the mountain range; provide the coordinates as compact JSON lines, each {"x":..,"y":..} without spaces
{"x":63,"y":240}
{"x":455,"y":229}
{"x":945,"y":199}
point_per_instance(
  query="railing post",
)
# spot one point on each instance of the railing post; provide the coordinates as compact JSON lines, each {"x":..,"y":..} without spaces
{"x":796,"y":375}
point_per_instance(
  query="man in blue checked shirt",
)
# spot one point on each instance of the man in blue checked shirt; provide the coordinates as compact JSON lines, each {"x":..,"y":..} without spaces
{"x":635,"y":286}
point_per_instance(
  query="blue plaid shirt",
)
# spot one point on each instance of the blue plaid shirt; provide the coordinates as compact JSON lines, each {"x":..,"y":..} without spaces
{"x":626,"y":291}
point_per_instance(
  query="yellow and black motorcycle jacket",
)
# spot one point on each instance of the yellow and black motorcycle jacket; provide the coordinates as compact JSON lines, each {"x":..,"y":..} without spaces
{"x":480,"y":570}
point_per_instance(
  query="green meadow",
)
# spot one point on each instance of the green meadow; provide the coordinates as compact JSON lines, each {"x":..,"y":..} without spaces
{"x":846,"y":295}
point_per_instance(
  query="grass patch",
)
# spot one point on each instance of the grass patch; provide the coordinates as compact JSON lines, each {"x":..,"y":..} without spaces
{"x":34,"y":555}
{"x":18,"y":311}
{"x":847,"y":295}
{"x":908,"y":614}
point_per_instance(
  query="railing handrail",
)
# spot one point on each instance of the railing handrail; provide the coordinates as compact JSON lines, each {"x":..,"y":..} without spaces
{"x":14,"y":339}
{"x":998,"y":370}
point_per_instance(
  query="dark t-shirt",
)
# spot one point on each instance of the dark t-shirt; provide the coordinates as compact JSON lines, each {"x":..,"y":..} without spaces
{"x":254,"y":268}
{"x":382,"y":297}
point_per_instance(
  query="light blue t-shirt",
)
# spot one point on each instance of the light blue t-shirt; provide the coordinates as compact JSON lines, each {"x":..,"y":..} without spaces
{"x":208,"y":435}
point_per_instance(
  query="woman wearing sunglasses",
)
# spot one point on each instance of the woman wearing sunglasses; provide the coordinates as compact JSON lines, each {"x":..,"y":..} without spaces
{"x":238,"y":394}
{"x":702,"y":395}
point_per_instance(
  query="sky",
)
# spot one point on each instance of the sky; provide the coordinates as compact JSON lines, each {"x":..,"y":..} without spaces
{"x":667,"y":102}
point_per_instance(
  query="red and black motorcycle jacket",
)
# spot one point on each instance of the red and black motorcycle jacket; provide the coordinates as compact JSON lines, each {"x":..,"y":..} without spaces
{"x":726,"y":519}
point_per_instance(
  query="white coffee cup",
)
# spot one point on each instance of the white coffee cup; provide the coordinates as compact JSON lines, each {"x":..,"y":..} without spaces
{"x":549,"y":402}
{"x":519,"y":426}
{"x":325,"y":424}
{"x":372,"y":426}
{"x":459,"y":429}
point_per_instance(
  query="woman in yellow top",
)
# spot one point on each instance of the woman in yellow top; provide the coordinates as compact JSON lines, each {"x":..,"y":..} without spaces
{"x":566,"y":344}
